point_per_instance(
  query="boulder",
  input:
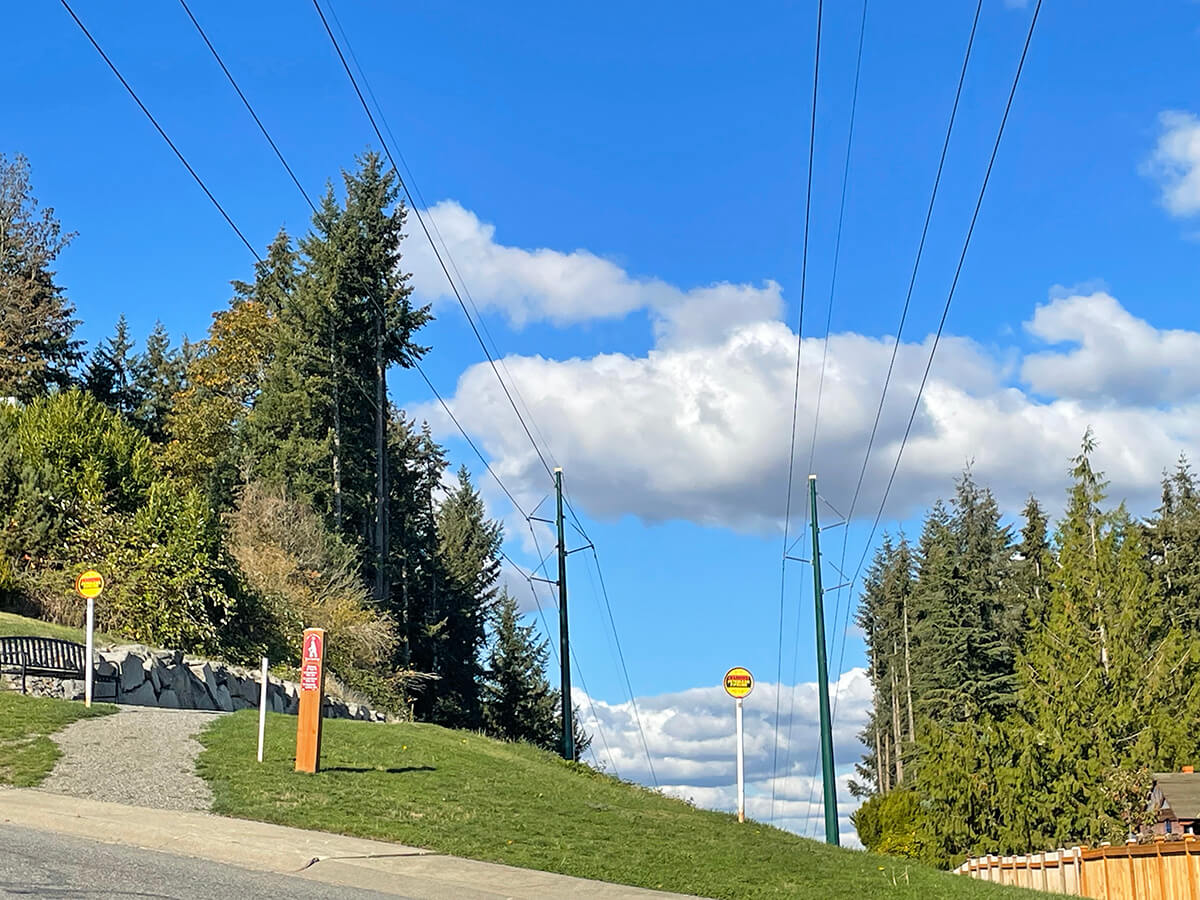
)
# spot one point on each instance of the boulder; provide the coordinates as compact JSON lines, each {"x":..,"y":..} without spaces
{"x":153,"y":670}
{"x":223,"y":699}
{"x":168,"y":699}
{"x":246,"y":688}
{"x":74,"y":689}
{"x":205,"y":673}
{"x":105,"y":667}
{"x":142,"y":695}
{"x":133,"y":673}
{"x":240,"y":702}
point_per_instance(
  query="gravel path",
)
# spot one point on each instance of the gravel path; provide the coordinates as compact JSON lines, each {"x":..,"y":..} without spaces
{"x":141,"y":756}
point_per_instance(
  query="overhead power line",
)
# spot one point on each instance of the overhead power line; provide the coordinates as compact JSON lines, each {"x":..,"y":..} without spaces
{"x":159,"y":129}
{"x":950,"y":294}
{"x":441,"y":258}
{"x":249,"y":108}
{"x":447,"y":262}
{"x":787,"y":513}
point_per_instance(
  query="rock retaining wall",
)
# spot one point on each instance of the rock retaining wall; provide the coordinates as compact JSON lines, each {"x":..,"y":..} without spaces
{"x":171,"y":680}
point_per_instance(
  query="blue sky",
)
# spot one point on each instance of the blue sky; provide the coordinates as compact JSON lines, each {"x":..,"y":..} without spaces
{"x":624,"y":191}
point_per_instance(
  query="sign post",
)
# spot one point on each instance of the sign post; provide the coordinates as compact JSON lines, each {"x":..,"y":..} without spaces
{"x":262,"y":708}
{"x":89,"y":585}
{"x":738,"y":685}
{"x":312,"y":696}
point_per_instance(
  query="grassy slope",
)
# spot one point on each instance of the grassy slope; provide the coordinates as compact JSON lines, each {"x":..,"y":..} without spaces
{"x":13,"y":625}
{"x":26,"y":752}
{"x":462,"y":794}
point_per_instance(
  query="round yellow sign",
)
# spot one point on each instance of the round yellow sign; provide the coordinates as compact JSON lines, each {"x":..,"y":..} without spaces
{"x":739,"y":682}
{"x":89,"y":584}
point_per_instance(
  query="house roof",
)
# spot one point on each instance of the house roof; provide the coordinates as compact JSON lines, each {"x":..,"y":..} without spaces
{"x":1181,"y":792}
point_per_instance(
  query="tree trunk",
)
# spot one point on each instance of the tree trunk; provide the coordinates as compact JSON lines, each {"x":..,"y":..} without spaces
{"x":896,"y":720}
{"x":912,"y":729}
{"x":381,"y":505}
{"x":337,"y":435}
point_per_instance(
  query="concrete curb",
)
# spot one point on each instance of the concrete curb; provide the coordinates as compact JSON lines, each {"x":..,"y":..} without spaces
{"x":330,"y":858}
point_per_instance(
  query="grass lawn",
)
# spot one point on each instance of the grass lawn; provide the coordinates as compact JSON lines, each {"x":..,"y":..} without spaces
{"x":26,"y":752}
{"x":466,"y":795}
{"x":13,"y":625}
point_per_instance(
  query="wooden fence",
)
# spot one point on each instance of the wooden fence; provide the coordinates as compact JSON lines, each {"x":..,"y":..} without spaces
{"x":1162,"y":870}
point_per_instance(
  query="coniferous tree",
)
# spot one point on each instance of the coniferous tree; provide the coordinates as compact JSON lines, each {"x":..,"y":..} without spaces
{"x":1032,"y":561}
{"x":320,"y":425}
{"x":110,"y":375}
{"x":468,"y":551}
{"x":158,"y":376}
{"x":518,"y":702}
{"x":38,"y":349}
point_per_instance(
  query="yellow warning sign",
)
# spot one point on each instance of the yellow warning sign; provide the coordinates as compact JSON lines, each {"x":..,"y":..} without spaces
{"x":89,"y":584}
{"x":739,"y":682}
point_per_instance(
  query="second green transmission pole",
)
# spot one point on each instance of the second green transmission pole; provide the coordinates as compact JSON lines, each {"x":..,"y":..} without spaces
{"x":564,"y":641}
{"x":830,"y":787}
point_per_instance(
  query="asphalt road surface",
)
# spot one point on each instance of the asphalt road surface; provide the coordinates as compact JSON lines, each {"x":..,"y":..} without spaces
{"x":45,"y":865}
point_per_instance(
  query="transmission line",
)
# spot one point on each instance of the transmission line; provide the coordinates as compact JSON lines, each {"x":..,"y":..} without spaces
{"x":491,"y":360}
{"x":429,"y":236}
{"x":159,"y":129}
{"x":412,"y":182}
{"x":787,"y":513}
{"x":950,"y":294}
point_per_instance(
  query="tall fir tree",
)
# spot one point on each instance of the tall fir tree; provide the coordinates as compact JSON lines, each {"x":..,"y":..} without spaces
{"x":518,"y":702}
{"x":320,"y":425}
{"x":38,"y":348}
{"x":110,"y":374}
{"x":159,"y":374}
{"x":469,"y":553}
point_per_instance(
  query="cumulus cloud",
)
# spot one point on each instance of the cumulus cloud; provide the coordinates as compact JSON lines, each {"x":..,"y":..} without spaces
{"x":690,"y":737}
{"x":1114,"y":357}
{"x":697,"y":427}
{"x":566,"y":288}
{"x":1175,"y":162}
{"x":700,"y":433}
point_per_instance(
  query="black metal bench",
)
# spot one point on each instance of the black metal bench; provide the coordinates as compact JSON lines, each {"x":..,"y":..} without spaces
{"x":50,"y":657}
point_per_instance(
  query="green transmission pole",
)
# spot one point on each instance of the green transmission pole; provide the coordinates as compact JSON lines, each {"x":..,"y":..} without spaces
{"x":564,"y":643}
{"x":830,"y":787}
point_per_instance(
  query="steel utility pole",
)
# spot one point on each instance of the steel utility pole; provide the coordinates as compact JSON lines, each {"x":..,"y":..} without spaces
{"x":827,"y":782}
{"x":564,"y":642}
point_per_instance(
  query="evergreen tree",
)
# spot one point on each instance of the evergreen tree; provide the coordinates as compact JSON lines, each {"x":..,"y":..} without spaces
{"x":158,"y":376}
{"x":38,"y":350}
{"x":1172,"y":539}
{"x":1032,"y":563}
{"x":320,"y":425}
{"x":417,"y":464}
{"x":518,"y":702}
{"x":110,"y":376}
{"x":966,"y":655}
{"x":469,"y":551}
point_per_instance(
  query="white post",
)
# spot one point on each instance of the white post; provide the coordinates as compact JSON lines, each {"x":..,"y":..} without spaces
{"x":262,"y":708}
{"x":87,"y":669}
{"x":741,"y":777}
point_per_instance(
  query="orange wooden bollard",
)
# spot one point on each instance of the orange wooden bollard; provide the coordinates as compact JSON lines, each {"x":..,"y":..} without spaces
{"x":312,"y":697}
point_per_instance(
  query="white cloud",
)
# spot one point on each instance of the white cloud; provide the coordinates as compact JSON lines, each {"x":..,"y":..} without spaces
{"x":1116,"y":357}
{"x":1175,"y":162}
{"x":697,"y":427}
{"x":566,"y":288}
{"x":690,"y":736}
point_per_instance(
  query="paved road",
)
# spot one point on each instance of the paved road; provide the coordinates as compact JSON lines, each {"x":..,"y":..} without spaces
{"x":40,"y":864}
